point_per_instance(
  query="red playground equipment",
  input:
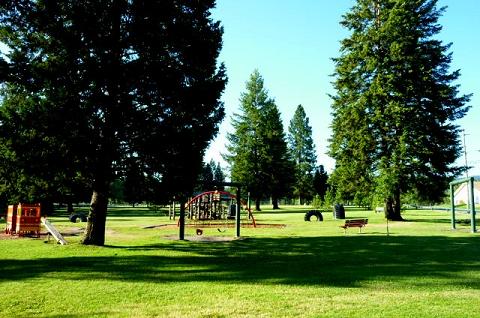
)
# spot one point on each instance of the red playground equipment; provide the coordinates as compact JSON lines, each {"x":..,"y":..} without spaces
{"x":23,"y":219}
{"x":11,"y":219}
{"x":215,"y":205}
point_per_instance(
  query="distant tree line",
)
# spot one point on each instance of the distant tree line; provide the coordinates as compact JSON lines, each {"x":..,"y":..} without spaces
{"x":134,"y":189}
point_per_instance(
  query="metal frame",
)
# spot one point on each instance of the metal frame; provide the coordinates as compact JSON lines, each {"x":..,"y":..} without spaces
{"x":181,"y":234}
{"x":471,"y":201}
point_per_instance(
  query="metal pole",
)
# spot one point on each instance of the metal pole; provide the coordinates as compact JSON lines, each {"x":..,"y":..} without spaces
{"x":465,"y":153}
{"x":472,"y":205}
{"x":237,"y":214}
{"x":452,"y":202}
{"x":182,"y":220}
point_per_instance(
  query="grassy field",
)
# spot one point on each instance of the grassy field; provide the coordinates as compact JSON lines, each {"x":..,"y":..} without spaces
{"x":305,"y":269}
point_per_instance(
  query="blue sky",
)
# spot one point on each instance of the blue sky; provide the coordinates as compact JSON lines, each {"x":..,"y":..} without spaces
{"x":291,"y":43}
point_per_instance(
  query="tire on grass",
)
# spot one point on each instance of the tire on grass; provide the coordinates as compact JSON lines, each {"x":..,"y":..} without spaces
{"x":74,"y":218}
{"x":315,"y":213}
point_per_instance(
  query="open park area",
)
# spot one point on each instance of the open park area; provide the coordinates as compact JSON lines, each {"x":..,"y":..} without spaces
{"x":176,"y":119}
{"x":303,"y":269}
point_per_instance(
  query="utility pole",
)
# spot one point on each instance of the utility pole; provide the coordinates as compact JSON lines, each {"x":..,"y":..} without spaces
{"x":465,"y":153}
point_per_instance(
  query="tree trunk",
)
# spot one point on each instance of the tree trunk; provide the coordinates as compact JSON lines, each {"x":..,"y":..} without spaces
{"x":97,"y":219}
{"x":70,"y":208}
{"x":275,"y":203}
{"x":257,"y":205}
{"x":393,"y":207}
{"x":47,"y":207}
{"x":181,"y":221}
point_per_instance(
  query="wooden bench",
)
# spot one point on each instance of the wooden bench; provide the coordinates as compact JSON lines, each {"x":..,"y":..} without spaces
{"x":354,"y":223}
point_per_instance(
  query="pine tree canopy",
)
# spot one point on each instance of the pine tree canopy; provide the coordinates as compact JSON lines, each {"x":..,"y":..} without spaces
{"x":108,"y":83}
{"x":395,"y":105}
{"x":302,"y":152}
{"x":257,"y":150}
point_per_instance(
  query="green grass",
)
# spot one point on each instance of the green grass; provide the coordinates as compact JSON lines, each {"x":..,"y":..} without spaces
{"x":307,"y":269}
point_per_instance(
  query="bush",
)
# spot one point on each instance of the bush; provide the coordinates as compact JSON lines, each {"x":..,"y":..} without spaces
{"x":317,"y":202}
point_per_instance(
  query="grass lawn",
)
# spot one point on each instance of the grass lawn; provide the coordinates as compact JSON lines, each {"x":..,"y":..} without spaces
{"x":306,"y":269}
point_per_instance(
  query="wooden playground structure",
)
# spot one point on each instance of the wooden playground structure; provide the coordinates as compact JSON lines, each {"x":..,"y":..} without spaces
{"x":213,"y":208}
{"x":23,"y":219}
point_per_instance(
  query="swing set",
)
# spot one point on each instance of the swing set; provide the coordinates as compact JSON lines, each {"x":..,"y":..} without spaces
{"x":213,"y":205}
{"x":213,"y":208}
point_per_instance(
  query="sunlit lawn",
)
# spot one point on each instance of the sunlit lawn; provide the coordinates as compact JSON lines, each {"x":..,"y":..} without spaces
{"x":306,"y":269}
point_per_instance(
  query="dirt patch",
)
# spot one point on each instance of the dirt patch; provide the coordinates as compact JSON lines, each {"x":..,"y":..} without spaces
{"x":4,"y":236}
{"x":201,"y":238}
{"x":73,"y":231}
{"x":215,"y":225}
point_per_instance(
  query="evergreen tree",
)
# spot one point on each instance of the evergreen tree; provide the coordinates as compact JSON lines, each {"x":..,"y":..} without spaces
{"x":320,"y":182}
{"x":277,"y":165}
{"x":395,"y":105}
{"x":117,"y":191}
{"x":109,"y":81}
{"x":257,"y":150}
{"x":207,"y":174}
{"x":302,"y":151}
{"x":218,"y":174}
{"x":211,"y":174}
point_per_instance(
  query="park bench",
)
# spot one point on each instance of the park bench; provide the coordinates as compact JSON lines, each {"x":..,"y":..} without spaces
{"x":354,"y":223}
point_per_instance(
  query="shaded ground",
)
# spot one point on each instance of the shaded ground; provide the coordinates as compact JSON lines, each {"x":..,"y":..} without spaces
{"x":215,"y":225}
{"x":203,"y":238}
{"x":432,"y":262}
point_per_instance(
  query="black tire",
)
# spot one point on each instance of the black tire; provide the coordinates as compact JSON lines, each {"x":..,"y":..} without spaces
{"x":73,"y":218}
{"x":315,"y":213}
{"x":83,"y":217}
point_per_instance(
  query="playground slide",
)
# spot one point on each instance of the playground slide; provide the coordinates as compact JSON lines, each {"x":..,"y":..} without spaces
{"x":52,"y":230}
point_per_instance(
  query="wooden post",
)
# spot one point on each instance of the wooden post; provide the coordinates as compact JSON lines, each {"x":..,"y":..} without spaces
{"x":182,"y":220}
{"x":237,"y":214}
{"x":249,"y":206}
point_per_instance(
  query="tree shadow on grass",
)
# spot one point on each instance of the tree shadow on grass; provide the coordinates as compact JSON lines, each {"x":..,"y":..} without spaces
{"x":432,"y":221}
{"x":119,"y":212}
{"x":330,"y":261}
{"x":441,"y":221}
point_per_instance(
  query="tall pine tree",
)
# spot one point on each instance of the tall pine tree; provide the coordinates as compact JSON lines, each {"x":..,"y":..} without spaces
{"x":395,"y":105}
{"x":277,"y":164}
{"x":302,"y":151}
{"x":257,"y":151}
{"x":320,"y":181}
